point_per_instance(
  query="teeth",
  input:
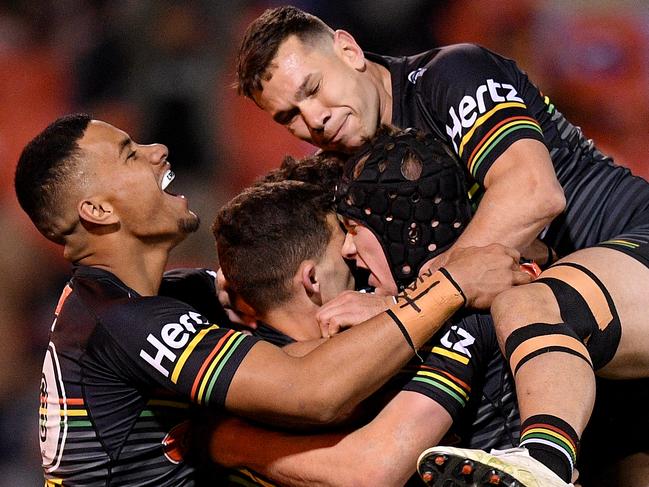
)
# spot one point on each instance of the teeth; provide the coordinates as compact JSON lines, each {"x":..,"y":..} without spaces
{"x":167,"y":178}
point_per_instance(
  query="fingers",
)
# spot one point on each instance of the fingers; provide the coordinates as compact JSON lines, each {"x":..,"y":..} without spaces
{"x":221,"y":281}
{"x":334,"y":316}
{"x":237,"y":310}
{"x":348,"y":309}
{"x":513,"y":253}
{"x":521,"y":277}
{"x":484,"y":272}
{"x":330,"y":327}
{"x":324,"y":329}
{"x":436,"y":262}
{"x":241,"y":319}
{"x":531,"y":268}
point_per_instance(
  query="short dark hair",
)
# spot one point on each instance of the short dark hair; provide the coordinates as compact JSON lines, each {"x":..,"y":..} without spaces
{"x":265,"y":233}
{"x":323,"y":169}
{"x":263,"y":38}
{"x":44,"y":169}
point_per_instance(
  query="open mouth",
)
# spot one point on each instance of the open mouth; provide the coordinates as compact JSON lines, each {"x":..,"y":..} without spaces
{"x":373,"y":281}
{"x":167,"y":177}
{"x":166,"y":180}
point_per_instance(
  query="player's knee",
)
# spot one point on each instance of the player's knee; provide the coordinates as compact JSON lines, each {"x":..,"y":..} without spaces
{"x":530,"y":341}
{"x":510,"y":309}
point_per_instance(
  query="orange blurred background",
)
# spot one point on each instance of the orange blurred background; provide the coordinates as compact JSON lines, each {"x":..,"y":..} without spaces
{"x":162,"y":70}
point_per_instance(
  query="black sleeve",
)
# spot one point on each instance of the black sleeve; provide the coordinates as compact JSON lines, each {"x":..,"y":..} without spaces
{"x":453,"y":361}
{"x":162,"y":342}
{"x":478,"y":100}
{"x":196,"y":287}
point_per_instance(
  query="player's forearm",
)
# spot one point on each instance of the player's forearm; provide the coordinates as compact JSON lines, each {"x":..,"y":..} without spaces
{"x":326,"y":383}
{"x":383,"y":452}
{"x":300,"y":349}
{"x":286,"y":458}
{"x":489,"y":226}
{"x":360,"y":457}
{"x":522,"y":196}
{"x":500,"y":218}
{"x":379,"y":348}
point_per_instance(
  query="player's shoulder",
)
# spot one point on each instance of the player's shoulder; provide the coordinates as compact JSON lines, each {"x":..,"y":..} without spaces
{"x":141,"y":315}
{"x":456,"y":64}
{"x":196,"y":287}
{"x":193,"y":277}
{"x":454,"y":55}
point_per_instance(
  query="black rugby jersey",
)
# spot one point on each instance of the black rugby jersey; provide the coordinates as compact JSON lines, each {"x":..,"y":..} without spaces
{"x":463,"y":370}
{"x":122,"y":379}
{"x":480,"y":103}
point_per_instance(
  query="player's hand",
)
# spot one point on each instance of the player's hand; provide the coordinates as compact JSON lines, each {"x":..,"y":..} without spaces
{"x":237,"y":309}
{"x":540,"y":253}
{"x":575,"y":478}
{"x":484,"y":272}
{"x":348,"y":309}
{"x":436,"y":262}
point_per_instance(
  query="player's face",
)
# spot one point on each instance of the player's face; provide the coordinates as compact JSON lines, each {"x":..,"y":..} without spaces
{"x":334,"y":274}
{"x":320,"y":95}
{"x":130,"y":177}
{"x":362,"y":246}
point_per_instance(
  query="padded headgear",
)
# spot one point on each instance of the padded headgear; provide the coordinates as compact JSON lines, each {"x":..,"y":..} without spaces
{"x":408,"y":188}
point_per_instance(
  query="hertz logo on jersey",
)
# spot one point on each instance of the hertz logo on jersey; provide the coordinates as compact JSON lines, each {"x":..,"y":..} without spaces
{"x":455,"y":345}
{"x":173,"y":336}
{"x":490,"y":96}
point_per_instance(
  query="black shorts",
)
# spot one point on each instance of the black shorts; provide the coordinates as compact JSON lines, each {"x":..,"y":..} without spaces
{"x":634,"y":243}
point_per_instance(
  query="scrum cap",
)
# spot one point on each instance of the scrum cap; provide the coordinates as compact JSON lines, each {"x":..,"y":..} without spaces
{"x":408,"y":188}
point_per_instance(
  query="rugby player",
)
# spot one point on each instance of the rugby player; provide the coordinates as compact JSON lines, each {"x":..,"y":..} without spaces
{"x":125,"y":368}
{"x":536,"y":175}
{"x":462,"y":381}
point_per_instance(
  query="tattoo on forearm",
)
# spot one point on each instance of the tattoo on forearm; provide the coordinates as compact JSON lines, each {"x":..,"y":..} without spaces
{"x":410,"y":295}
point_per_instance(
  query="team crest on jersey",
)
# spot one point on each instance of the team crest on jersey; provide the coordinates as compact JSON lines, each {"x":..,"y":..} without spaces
{"x":459,"y":340}
{"x":176,"y":443}
{"x":413,"y":76}
{"x":53,"y":425}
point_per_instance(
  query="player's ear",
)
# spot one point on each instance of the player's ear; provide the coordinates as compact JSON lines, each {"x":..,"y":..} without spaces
{"x":97,"y":211}
{"x":347,"y":49}
{"x":309,"y":278}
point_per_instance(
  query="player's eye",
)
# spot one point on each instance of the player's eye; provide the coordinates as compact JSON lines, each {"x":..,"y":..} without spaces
{"x":314,"y":90}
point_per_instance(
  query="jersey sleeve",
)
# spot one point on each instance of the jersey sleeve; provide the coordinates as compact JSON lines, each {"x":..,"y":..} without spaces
{"x":162,"y":342}
{"x":477,"y":100}
{"x":196,"y":287}
{"x":453,"y":363}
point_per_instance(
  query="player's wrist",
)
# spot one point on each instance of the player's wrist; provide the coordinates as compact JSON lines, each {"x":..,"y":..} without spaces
{"x":423,"y":307}
{"x":435,"y":288}
{"x":449,"y":277}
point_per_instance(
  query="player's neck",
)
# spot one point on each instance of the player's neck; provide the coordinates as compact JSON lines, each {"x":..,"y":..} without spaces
{"x":294,"y":320}
{"x":382,"y":77}
{"x":139,"y":267}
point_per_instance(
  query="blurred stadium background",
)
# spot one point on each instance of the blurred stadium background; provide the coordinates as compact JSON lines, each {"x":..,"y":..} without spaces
{"x":163,"y":69}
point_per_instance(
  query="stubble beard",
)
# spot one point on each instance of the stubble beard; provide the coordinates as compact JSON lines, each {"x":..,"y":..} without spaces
{"x":189,"y":225}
